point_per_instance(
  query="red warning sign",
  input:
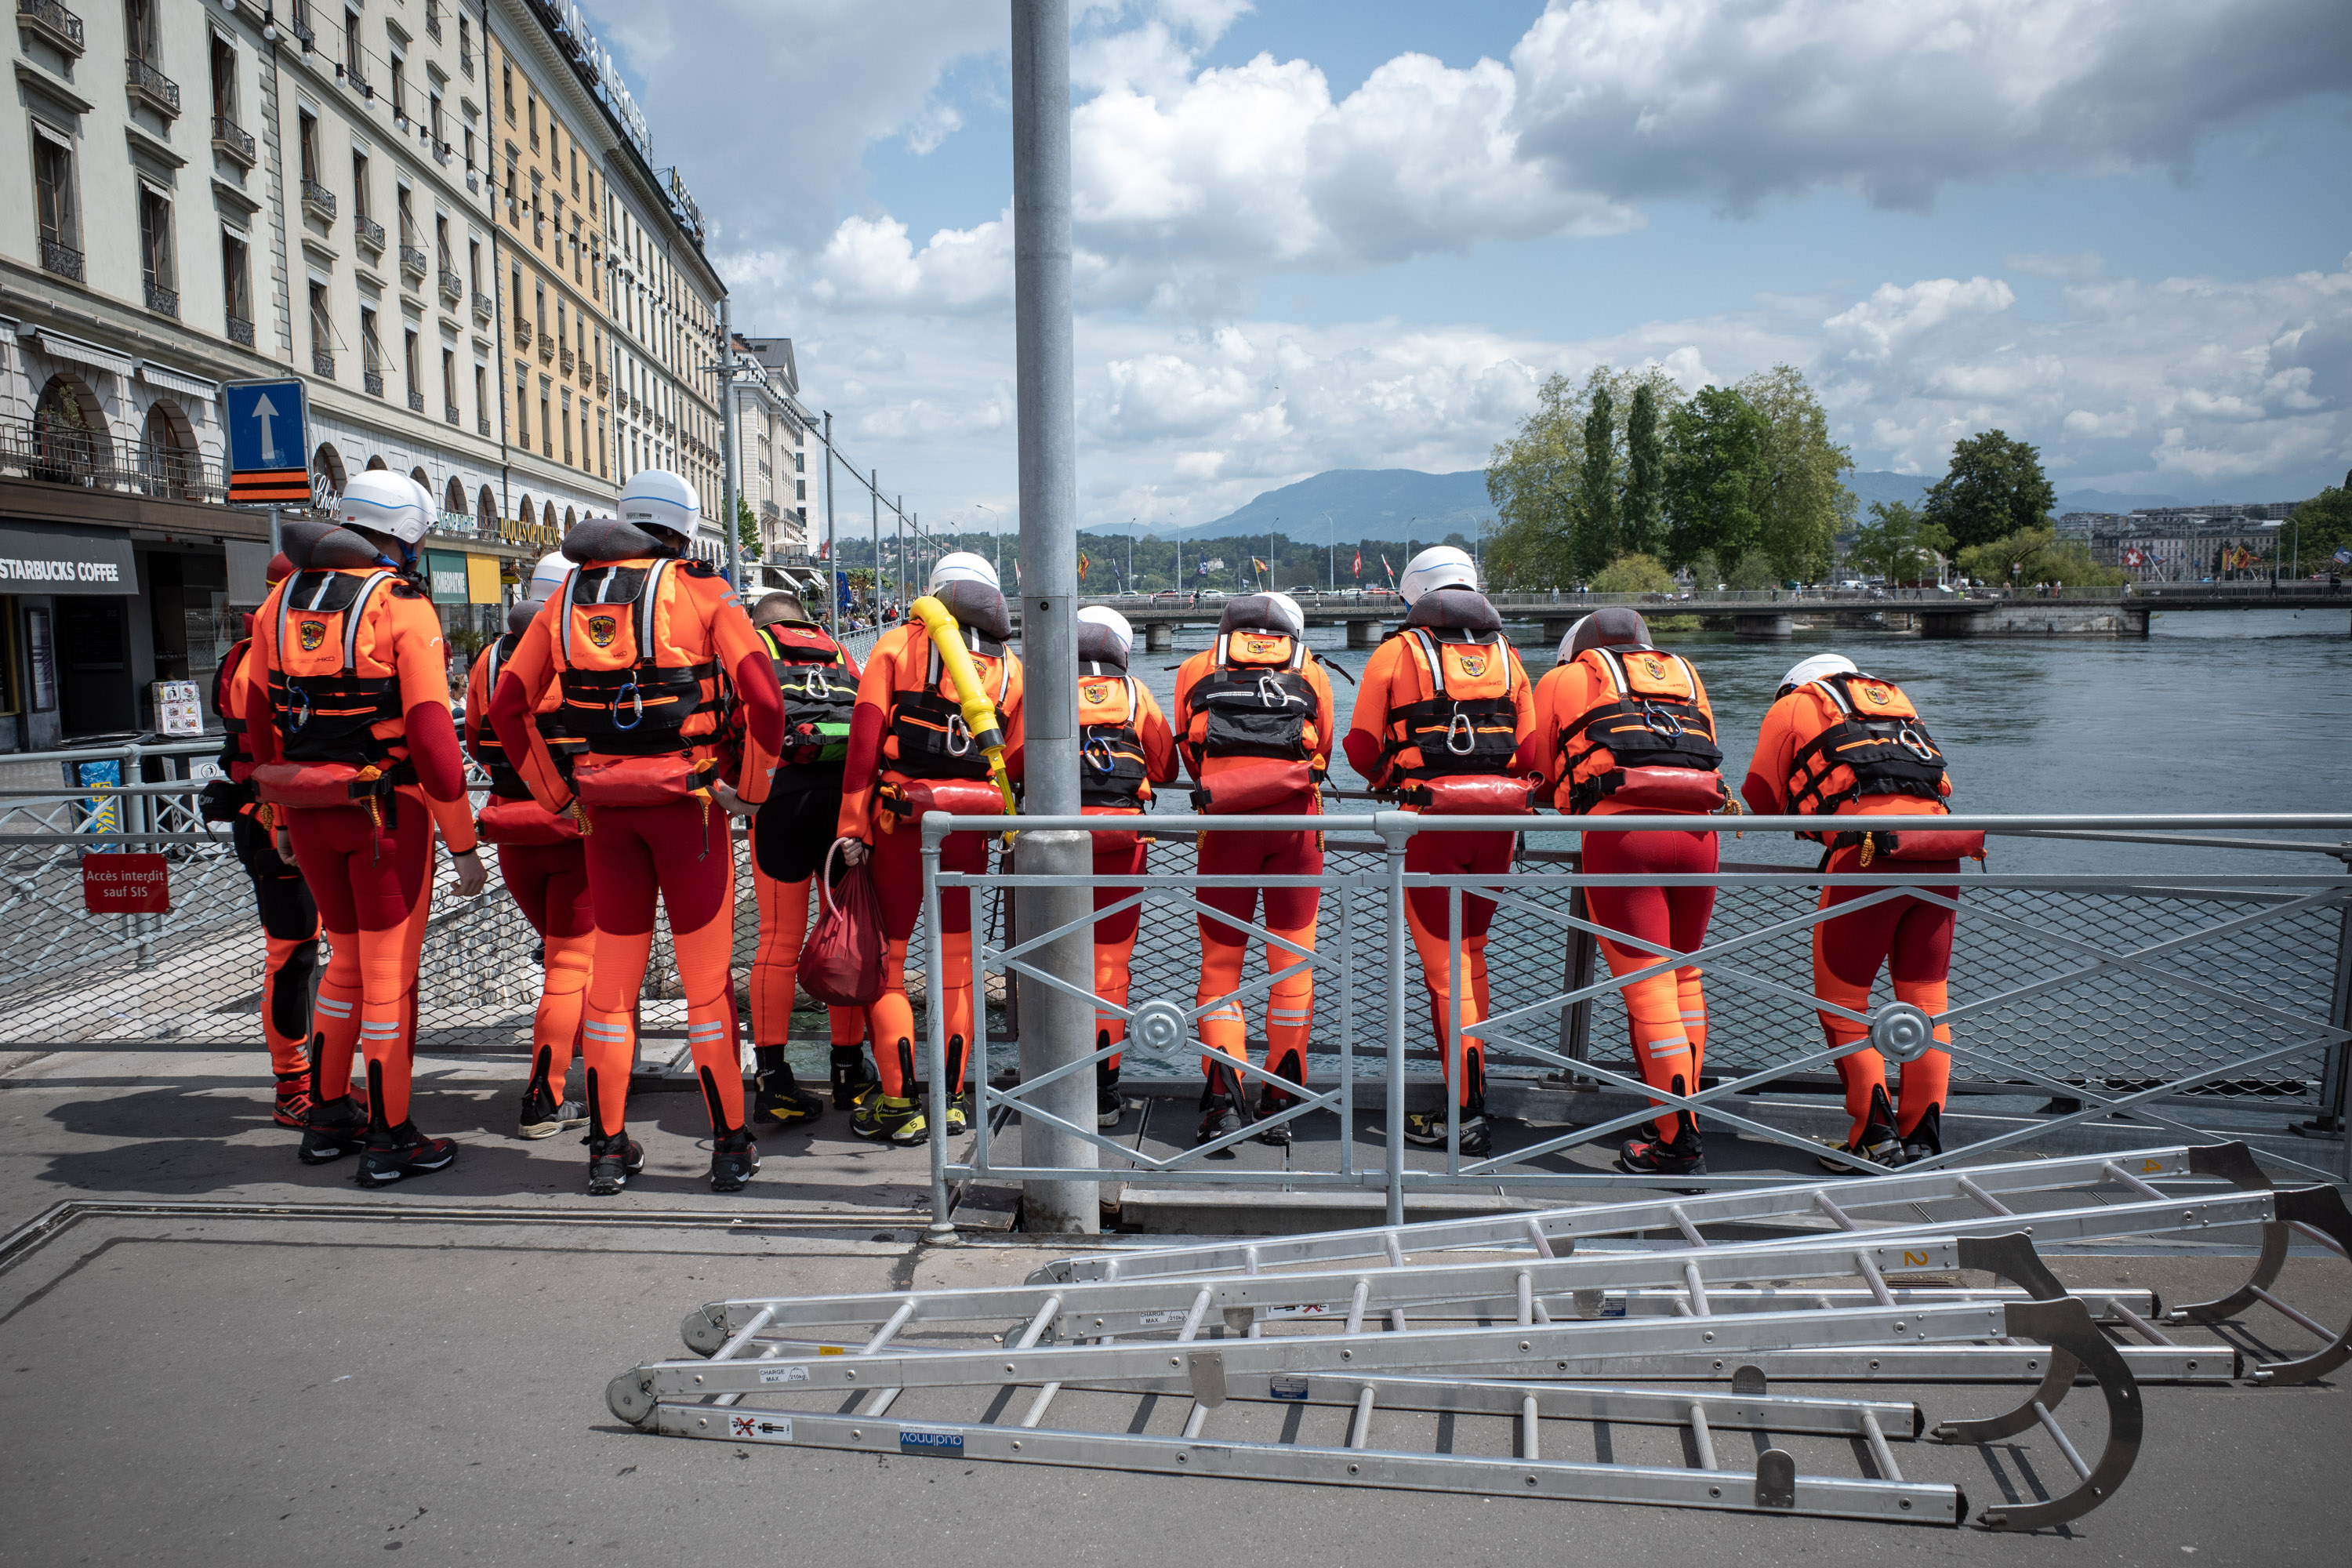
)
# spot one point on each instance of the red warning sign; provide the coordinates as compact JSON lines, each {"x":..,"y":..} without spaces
{"x":125,"y":884}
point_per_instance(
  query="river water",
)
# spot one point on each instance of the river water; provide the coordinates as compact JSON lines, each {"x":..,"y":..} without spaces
{"x":2217,"y":710}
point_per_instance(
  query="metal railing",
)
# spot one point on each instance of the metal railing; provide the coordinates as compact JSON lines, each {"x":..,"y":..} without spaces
{"x":154,"y":85}
{"x":240,"y":330}
{"x":367,"y":232}
{"x":2164,"y":1000}
{"x":98,"y":461}
{"x":233,"y":139}
{"x":52,"y":21}
{"x":62,"y":258}
{"x":164,"y":301}
{"x":320,"y":200}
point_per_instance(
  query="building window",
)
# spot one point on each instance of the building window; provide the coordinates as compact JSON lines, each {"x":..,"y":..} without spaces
{"x":482,"y":393}
{"x":521,"y":320}
{"x":224,"y":84}
{"x":323,"y":331}
{"x":155,"y":266}
{"x":522,"y":407}
{"x":547,"y":421}
{"x":601,"y":469}
{"x":575,"y":172}
{"x":506,"y":75}
{"x":371,"y":353}
{"x":400,"y":87}
{"x":800,"y":459}
{"x":561,"y":331}
{"x":400,"y":200}
{"x":54,"y":195}
{"x":438,"y":121}
{"x":410,"y":370}
{"x":514,"y":201}
{"x":474,"y":264}
{"x":800,"y":489}
{"x":138,"y":30}
{"x":441,"y":244}
{"x":449,"y":383}
{"x":308,"y":135}
{"x":567,"y":427}
{"x":351,"y":48}
{"x":361,"y":208}
{"x":466,"y":46}
{"x":237,"y":287}
{"x":542,"y":310}
{"x":530,"y":101}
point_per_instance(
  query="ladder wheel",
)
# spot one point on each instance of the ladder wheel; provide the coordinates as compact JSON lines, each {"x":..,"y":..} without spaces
{"x":703,"y":1334}
{"x":630,"y":1396}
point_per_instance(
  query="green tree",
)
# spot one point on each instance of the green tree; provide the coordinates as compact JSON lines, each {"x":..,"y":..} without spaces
{"x":1715,"y":472}
{"x":2321,"y":526}
{"x":1595,"y":541}
{"x":747,"y":528}
{"x":1899,"y":543}
{"x":1537,"y":478}
{"x":1799,"y":507}
{"x":1634,"y":573}
{"x":1994,"y":488}
{"x":1640,"y":507}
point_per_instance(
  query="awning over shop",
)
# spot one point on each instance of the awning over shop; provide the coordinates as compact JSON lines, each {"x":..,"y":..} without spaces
{"x":172,"y":380}
{"x":66,"y":563}
{"x":60,"y":346}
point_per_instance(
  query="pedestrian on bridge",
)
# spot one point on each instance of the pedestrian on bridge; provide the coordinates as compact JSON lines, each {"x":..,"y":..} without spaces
{"x":1622,"y":726}
{"x":1442,"y":710}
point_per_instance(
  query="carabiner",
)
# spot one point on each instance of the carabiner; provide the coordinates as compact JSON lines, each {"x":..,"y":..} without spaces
{"x":1916,"y":744}
{"x":1652,"y":714}
{"x":816,"y":686}
{"x":1109,"y":761}
{"x":298,"y":712}
{"x":956,"y":727}
{"x":1270,"y":693}
{"x":637,"y":705}
{"x":1461,"y":735}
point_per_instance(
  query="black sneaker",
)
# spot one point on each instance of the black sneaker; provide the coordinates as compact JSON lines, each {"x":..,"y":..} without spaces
{"x":1878,"y":1144}
{"x":337,"y":1127}
{"x":395,"y":1153}
{"x":544,"y":1116}
{"x":1273,"y":1102}
{"x":1109,"y":1107}
{"x":1653,"y":1156}
{"x":1218,"y":1118}
{"x":611,"y":1161}
{"x":1926,"y":1140}
{"x":777,"y":1100}
{"x":734,"y":1158}
{"x":853,"y":1076}
{"x":1428,"y":1130}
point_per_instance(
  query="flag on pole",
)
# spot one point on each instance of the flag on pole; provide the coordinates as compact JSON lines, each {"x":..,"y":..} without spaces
{"x":1359,"y":564}
{"x":1257,"y":566}
{"x":1389,"y":569}
{"x":1082,"y":565}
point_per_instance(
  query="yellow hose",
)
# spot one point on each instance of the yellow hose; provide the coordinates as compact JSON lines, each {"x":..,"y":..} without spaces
{"x":978,"y":712}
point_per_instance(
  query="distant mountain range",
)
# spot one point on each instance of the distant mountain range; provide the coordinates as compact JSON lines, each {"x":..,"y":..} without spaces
{"x":1401,"y":504}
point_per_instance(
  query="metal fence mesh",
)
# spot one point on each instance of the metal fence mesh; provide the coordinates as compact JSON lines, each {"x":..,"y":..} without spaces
{"x":194,"y":975}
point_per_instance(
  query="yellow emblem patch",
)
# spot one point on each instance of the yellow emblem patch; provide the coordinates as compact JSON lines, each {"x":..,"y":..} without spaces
{"x":1474,"y":665}
{"x":602,"y":630}
{"x":312,"y":633}
{"x":1876,"y":694}
{"x":1655,"y":667}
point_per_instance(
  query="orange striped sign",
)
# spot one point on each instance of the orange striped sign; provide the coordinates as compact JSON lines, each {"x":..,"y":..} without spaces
{"x":270,"y":487}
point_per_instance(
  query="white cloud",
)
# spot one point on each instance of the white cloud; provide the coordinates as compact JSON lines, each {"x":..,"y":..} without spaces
{"x":1893,"y":316}
{"x":1743,"y":99}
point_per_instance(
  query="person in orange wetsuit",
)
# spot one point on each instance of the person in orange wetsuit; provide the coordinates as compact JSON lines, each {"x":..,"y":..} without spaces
{"x":544,"y":865}
{"x":791,"y":833}
{"x":361,"y":758}
{"x":290,"y":919}
{"x":645,"y":647}
{"x":1442,"y":710}
{"x":910,"y":752}
{"x":1625,"y":727}
{"x":1837,"y":743}
{"x":1125,"y":748}
{"x":1254,"y":726}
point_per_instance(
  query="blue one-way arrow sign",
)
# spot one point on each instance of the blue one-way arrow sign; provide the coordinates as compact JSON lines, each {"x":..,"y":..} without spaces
{"x":268,"y":442}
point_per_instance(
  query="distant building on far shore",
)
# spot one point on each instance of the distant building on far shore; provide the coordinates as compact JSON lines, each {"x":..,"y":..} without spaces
{"x":2225,"y":540}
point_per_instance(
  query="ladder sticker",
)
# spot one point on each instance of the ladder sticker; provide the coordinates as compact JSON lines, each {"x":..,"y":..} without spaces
{"x":1916,"y":1259}
{"x":1286,"y":1387}
{"x":832,"y":1349}
{"x":940,"y":1444}
{"x":785,"y":1374}
{"x":1153,"y":1320}
{"x":1311,"y":1310}
{"x":761,"y":1428}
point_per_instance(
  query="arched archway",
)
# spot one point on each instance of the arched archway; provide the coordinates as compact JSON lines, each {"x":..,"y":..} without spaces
{"x":327,"y":477}
{"x":547,"y":515}
{"x":376,"y":464}
{"x":70,"y":440}
{"x":169,"y":463}
{"x":422,"y":478}
{"x":571,"y":520}
{"x":454,"y":501}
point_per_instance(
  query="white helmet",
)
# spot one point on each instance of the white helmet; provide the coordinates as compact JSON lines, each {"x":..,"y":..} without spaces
{"x":962,"y":566}
{"x":1813,"y":668}
{"x":1568,"y":643}
{"x":547,"y":577}
{"x":1297,"y":622}
{"x":655,"y":498}
{"x":1439,"y":566}
{"x":384,"y":502}
{"x":1110,"y":620}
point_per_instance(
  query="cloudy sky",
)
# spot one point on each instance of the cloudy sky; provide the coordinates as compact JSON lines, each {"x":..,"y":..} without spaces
{"x":1317,"y":234}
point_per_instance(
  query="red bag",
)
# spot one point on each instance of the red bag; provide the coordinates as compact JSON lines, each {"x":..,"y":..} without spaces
{"x":1267,"y":785}
{"x":519,"y":822}
{"x":1669,"y":789}
{"x":842,"y":964}
{"x":312,"y":785}
{"x":639,"y":781}
{"x":957,"y":797}
{"x":1933,"y":844}
{"x":1472,"y":795}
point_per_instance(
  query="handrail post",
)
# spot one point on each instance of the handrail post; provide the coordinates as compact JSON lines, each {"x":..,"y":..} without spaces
{"x":941,"y":1231}
{"x":1395,"y":828}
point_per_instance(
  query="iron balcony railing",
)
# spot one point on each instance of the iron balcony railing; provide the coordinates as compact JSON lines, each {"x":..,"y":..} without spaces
{"x":449,"y":414}
{"x":158,"y":90}
{"x":323,"y":361}
{"x":240,"y":331}
{"x":484,"y":306}
{"x":453,"y":288}
{"x":368,"y":232}
{"x":416,"y":403}
{"x":50,"y":20}
{"x":318,"y":201}
{"x":565,"y":356}
{"x":412,"y":261}
{"x":233,"y":140}
{"x":523,"y":332}
{"x":482,"y":426}
{"x":161,"y":301}
{"x":97,"y":460}
{"x":62,"y":259}
{"x":372,"y":380}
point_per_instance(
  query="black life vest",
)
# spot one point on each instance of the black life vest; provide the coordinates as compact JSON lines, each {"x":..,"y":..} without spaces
{"x":619,"y":699}
{"x":325,"y":711}
{"x":1112,"y":768}
{"x":489,"y":750}
{"x":237,"y":752}
{"x":932,"y":740}
{"x":1878,"y":746}
{"x":1468,"y":723}
{"x":1245,"y":707}
{"x":820,"y":695}
{"x":1655,"y":722}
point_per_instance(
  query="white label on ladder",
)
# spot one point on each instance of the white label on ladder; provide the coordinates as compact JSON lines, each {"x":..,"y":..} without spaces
{"x":760,"y":1426}
{"x":939,"y":1445}
{"x":1286,"y":1387}
{"x":788,"y":1374}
